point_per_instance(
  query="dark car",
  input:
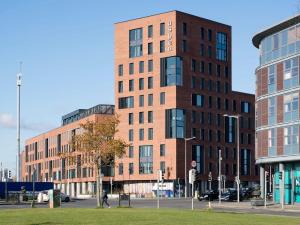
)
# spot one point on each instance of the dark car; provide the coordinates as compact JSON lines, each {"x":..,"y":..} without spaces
{"x":231,"y":195}
{"x":209,"y":195}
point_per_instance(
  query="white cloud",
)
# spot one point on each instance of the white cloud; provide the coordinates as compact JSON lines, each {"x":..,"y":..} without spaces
{"x":8,"y":121}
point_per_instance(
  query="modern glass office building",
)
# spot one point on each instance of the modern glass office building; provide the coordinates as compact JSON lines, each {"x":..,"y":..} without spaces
{"x":277,"y":109}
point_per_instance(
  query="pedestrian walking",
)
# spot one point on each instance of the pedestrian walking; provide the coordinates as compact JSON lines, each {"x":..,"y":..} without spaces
{"x":104,"y":199}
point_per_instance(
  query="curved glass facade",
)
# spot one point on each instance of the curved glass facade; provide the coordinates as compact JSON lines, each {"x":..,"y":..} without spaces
{"x":279,"y":45}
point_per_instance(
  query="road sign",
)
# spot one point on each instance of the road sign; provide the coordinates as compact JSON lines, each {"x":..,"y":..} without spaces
{"x":192,"y":176}
{"x":193,"y":164}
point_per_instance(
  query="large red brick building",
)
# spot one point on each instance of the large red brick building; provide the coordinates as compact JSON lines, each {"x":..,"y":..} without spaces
{"x":173,"y":82}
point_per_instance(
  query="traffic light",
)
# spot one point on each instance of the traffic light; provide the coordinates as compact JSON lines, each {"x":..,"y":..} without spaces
{"x":9,"y":174}
{"x":209,"y":177}
{"x":280,"y":175}
{"x":162,"y":176}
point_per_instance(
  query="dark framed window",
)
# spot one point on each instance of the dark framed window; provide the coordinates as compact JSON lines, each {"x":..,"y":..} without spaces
{"x":150,"y":133}
{"x":221,"y":46}
{"x":141,"y":117}
{"x":184,"y":45}
{"x":150,"y":116}
{"x":150,"y":48}
{"x":202,"y":33}
{"x":150,"y":65}
{"x":162,"y":166}
{"x":120,"y":70}
{"x":150,"y":99}
{"x":150,"y":31}
{"x":171,"y":71}
{"x":141,"y":100}
{"x":197,"y":100}
{"x":120,"y":168}
{"x":162,"y":46}
{"x":150,"y":82}
{"x":202,"y":67}
{"x":193,"y":65}
{"x":146,"y":159}
{"x":131,"y":85}
{"x":184,"y":29}
{"x":131,"y":168}
{"x":130,"y":151}
{"x":202,"y":50}
{"x":130,"y":135}
{"x":162,"y":98}
{"x":162,"y":150}
{"x":120,"y":86}
{"x":131,"y":68}
{"x":141,"y":134}
{"x":162,"y":29}
{"x":209,"y":35}
{"x":141,"y":84}
{"x":130,"y":118}
{"x":175,"y":123}
{"x":126,"y":102}
{"x":141,"y":67}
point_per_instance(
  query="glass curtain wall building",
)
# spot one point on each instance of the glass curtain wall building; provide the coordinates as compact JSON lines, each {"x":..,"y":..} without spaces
{"x":277,"y":109}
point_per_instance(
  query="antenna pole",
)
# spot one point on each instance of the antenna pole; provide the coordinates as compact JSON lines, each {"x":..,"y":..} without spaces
{"x":19,"y":75}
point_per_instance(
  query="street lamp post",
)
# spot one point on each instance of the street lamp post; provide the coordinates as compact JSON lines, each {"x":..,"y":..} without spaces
{"x":237,"y":117}
{"x":219,"y":178}
{"x":185,"y":175}
{"x":19,"y":75}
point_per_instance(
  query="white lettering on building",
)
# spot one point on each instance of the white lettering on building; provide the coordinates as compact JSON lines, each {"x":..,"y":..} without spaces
{"x":170,"y":36}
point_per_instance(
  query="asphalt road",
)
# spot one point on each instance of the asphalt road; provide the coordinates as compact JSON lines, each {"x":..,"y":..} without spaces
{"x":244,"y":207}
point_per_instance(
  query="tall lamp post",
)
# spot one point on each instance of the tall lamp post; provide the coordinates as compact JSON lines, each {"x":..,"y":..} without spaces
{"x":19,"y":75}
{"x":237,"y":117}
{"x":185,"y":175}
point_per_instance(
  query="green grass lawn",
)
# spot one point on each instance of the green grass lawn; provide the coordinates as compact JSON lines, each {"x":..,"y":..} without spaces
{"x":136,"y":216}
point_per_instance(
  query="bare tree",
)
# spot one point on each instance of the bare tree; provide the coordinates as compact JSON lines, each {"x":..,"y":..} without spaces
{"x":98,"y":143}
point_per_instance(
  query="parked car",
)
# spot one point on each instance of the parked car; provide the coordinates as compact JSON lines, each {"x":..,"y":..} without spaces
{"x":231,"y":195}
{"x":45,"y":196}
{"x":212,"y":195}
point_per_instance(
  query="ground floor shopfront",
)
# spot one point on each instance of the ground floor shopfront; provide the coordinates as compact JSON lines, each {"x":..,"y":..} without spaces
{"x":284,"y":181}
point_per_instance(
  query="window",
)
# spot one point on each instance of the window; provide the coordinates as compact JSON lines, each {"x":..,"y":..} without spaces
{"x":135,"y":43}
{"x":150,"y":82}
{"x":202,"y":121}
{"x":146,"y":159}
{"x":194,"y":132}
{"x":249,"y":139}
{"x":171,"y":71}
{"x":210,"y":135}
{"x":245,"y":162}
{"x":219,"y":103}
{"x":202,"y":50}
{"x":131,"y":85}
{"x":120,"y":70}
{"x":202,"y":33}
{"x":193,"y":82}
{"x":162,"y":150}
{"x":126,"y":102}
{"x":291,"y":73}
{"x":150,"y":133}
{"x":271,"y":78}
{"x":219,"y":70}
{"x":130,"y":168}
{"x":162,"y":29}
{"x":150,"y":99}
{"x":291,"y":140}
{"x":198,"y":156}
{"x":226,"y":72}
{"x":184,"y":45}
{"x":194,"y":116}
{"x":162,"y":97}
{"x":202,"y":135}
{"x":209,"y":101}
{"x":141,"y":67}
{"x":226,"y":104}
{"x":221,"y":46}
{"x":209,"y":35}
{"x":120,"y":86}
{"x":197,"y":100}
{"x":291,"y":107}
{"x":162,"y":46}
{"x":209,"y":118}
{"x":130,"y":118}
{"x":219,"y":120}
{"x":175,"y":123}
{"x":230,"y":129}
{"x":234,"y":105}
{"x":120,"y":168}
{"x":141,"y":117}
{"x":193,"y":65}
{"x":202,"y":83}
{"x":202,"y":67}
{"x":141,"y":134}
{"x":141,"y":100}
{"x":131,"y":68}
{"x":245,"y":107}
{"x":150,"y":48}
{"x":130,"y":151}
{"x":210,"y":69}
{"x":141,"y":84}
{"x":272,"y":111}
{"x":184,"y":29}
{"x":209,"y":51}
{"x":226,"y":88}
{"x":150,"y":65}
{"x":130,"y":135}
{"x":150,"y":116}
{"x":163,"y":166}
{"x":150,"y":31}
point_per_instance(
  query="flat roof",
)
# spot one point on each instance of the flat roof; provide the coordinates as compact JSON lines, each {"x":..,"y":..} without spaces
{"x":176,"y":12}
{"x":257,"y":38}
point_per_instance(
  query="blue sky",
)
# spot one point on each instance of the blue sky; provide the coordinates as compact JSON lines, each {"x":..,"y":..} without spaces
{"x":67,"y":51}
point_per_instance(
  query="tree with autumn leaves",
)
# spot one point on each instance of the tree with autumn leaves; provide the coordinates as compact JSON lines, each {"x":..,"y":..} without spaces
{"x":97,"y":141}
